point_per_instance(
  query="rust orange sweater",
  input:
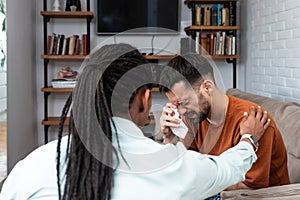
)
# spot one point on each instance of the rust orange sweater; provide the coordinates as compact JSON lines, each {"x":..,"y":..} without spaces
{"x":270,"y":169}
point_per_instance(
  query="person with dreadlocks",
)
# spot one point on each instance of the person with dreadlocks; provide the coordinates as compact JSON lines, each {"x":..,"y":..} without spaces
{"x":105,"y":156}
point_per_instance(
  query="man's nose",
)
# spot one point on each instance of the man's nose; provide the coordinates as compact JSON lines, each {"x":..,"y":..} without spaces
{"x":181,"y":110}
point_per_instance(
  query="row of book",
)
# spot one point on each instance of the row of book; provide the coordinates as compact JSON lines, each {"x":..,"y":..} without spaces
{"x":217,"y":43}
{"x":216,"y":15}
{"x":59,"y":44}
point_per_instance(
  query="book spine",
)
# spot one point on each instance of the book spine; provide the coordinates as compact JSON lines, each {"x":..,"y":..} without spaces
{"x":72,"y":45}
{"x":84,"y":41}
{"x":232,"y":13}
{"x":77,"y":46}
{"x":61,"y":44}
{"x":202,"y":16}
{"x":203,"y":45}
{"x":197,"y":16}
{"x":63,"y":51}
{"x":219,"y":14}
{"x":49,"y":38}
{"x":55,"y":41}
{"x":52,"y":44}
{"x":233,"y":46}
{"x":197,"y":46}
{"x":225,"y":17}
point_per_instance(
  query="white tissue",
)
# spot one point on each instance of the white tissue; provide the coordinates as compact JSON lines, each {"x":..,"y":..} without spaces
{"x":182,"y":130}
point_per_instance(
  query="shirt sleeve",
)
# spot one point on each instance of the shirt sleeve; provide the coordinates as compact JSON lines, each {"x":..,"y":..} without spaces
{"x":259,"y":175}
{"x":219,"y":172}
{"x":8,"y":191}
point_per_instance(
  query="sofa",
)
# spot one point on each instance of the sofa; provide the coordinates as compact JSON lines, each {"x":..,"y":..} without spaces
{"x":287,"y":117}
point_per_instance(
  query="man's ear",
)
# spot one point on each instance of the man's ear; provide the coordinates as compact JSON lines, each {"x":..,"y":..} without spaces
{"x":145,"y":100}
{"x":207,"y":86}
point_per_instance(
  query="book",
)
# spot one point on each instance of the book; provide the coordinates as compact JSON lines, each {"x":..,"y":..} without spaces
{"x":63,"y":52}
{"x":233,"y":46}
{"x":49,"y":39}
{"x":228,"y":44}
{"x":51,"y":44}
{"x":202,"y":16}
{"x":214,"y":16}
{"x":77,"y":46}
{"x":211,"y":44}
{"x":72,"y":45}
{"x":223,"y":41}
{"x":207,"y":16}
{"x":197,"y":42}
{"x":61,"y":44}
{"x":232,"y":13}
{"x":197,"y":16}
{"x":225,"y":17}
{"x":204,"y":50}
{"x":84,"y":43}
{"x":55,"y":42}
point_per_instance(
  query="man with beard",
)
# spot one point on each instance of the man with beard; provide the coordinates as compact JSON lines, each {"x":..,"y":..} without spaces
{"x":213,"y":117}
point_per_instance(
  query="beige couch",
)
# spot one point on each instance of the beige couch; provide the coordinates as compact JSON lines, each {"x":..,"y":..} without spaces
{"x":287,"y":118}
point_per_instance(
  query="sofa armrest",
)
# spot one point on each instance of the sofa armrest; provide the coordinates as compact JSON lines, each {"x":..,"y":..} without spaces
{"x":283,"y":192}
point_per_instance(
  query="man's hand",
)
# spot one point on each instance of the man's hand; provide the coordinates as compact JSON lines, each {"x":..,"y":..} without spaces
{"x":256,"y":123}
{"x":166,"y":121}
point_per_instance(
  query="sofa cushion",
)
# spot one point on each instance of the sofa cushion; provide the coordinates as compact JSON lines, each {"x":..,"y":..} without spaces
{"x":283,"y":192}
{"x":286,"y":116}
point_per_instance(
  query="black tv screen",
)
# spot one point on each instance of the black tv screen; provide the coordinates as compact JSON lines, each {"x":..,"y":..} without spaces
{"x":115,"y":16}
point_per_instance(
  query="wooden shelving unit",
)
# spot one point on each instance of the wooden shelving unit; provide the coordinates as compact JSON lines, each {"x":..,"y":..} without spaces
{"x":65,"y":57}
{"x":67,"y":14}
{"x":193,"y":28}
{"x":46,"y":89}
{"x":212,"y":28}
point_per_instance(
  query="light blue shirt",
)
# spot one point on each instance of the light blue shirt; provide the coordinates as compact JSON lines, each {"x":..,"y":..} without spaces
{"x":151,"y":171}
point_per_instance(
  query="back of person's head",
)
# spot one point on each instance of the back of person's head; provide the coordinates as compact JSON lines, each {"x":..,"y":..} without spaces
{"x":190,"y":68}
{"x":106,"y":85}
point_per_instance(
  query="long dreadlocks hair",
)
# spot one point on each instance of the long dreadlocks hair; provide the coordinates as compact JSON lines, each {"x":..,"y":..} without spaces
{"x":87,"y":177}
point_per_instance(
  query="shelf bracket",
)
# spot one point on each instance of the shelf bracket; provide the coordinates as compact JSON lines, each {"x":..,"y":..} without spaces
{"x":46,"y":128}
{"x":46,"y":19}
{"x":89,"y":19}
{"x":233,"y":62}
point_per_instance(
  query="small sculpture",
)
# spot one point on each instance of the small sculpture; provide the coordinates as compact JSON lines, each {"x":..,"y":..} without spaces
{"x":56,"y":5}
{"x":75,"y":3}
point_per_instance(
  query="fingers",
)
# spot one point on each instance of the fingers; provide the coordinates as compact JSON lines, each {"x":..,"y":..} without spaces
{"x":258,"y":112}
{"x":266,"y":125}
{"x":252,"y":111}
{"x":264,"y":118}
{"x":167,"y":119}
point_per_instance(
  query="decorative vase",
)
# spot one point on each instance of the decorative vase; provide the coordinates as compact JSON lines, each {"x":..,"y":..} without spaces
{"x":56,"y":5}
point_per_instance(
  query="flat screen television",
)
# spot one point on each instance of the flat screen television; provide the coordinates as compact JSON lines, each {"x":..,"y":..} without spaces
{"x":131,"y":16}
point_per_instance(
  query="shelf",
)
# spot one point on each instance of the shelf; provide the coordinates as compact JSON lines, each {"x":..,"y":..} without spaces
{"x":54,"y":121}
{"x":58,"y":90}
{"x":82,"y":57}
{"x":207,"y":1}
{"x":62,"y":57}
{"x":222,"y":56}
{"x":67,"y":14}
{"x":159,"y":57}
{"x":212,"y":28}
{"x":68,"y":90}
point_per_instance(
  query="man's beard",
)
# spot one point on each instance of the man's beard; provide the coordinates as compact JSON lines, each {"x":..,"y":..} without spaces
{"x":200,"y":116}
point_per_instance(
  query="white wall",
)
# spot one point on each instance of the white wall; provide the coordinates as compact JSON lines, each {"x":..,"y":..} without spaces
{"x":272,"y":48}
{"x":21,"y":84}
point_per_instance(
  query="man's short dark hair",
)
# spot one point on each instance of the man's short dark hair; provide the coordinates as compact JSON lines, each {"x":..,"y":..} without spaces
{"x":192,"y":68}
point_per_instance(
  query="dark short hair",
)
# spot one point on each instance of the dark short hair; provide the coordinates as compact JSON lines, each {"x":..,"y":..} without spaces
{"x":189,"y":68}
